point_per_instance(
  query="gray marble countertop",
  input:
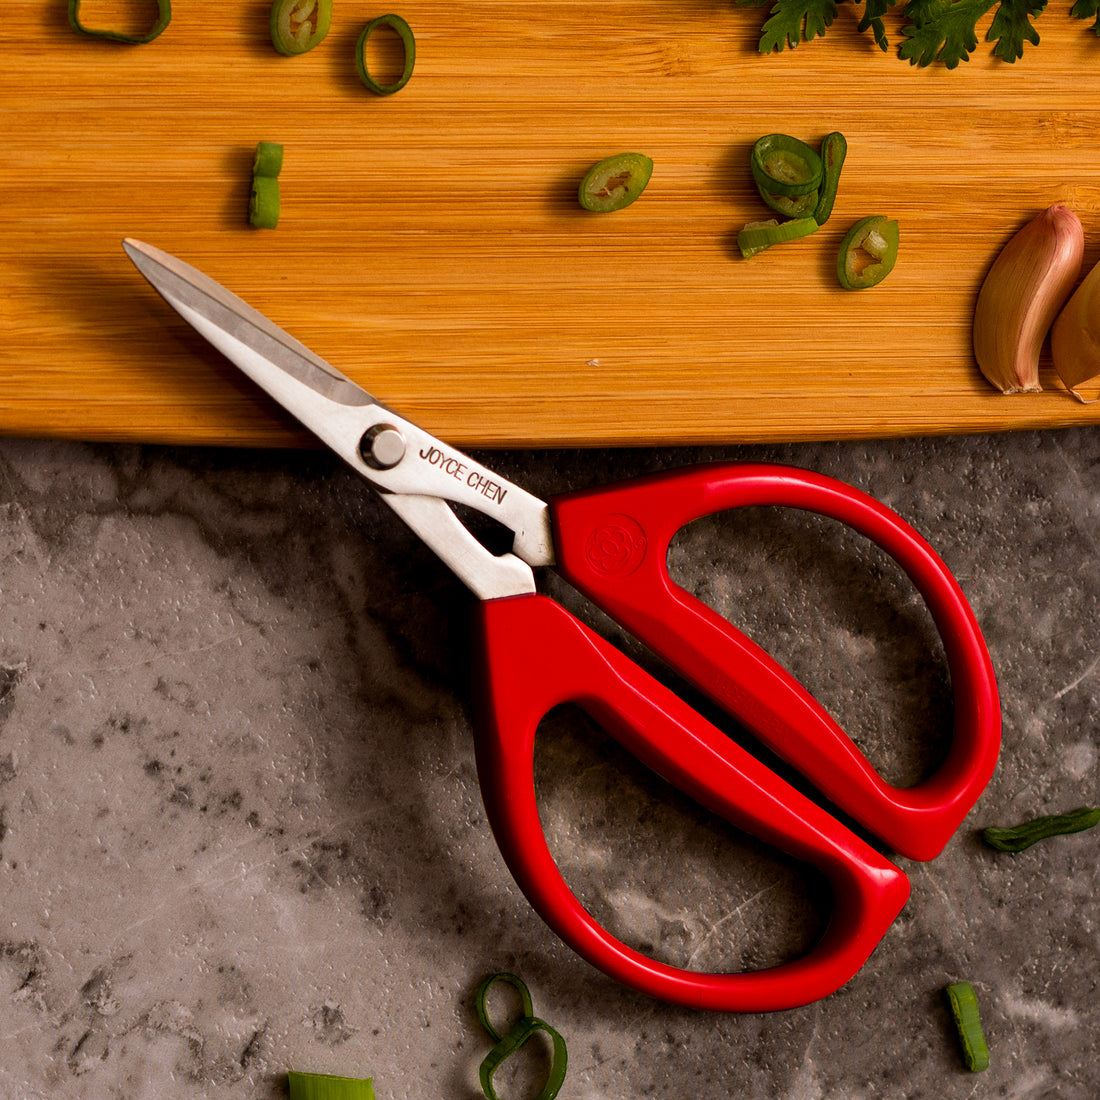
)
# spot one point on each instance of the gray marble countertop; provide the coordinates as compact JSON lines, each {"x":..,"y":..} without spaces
{"x":241,"y":830}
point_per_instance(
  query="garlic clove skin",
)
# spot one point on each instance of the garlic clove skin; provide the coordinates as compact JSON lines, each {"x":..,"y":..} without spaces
{"x":1026,"y":286}
{"x":1075,"y":337}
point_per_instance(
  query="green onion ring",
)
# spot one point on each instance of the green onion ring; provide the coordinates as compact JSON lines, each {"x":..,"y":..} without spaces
{"x":783,"y":165}
{"x":164,"y":16}
{"x":404,"y":32}
{"x":522,"y":1030}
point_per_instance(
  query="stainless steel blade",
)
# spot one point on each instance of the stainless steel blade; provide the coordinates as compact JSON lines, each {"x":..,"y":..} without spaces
{"x":393,"y":454}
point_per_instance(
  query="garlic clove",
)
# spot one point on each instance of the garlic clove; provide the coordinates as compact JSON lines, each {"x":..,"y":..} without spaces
{"x":1026,"y":286}
{"x":1075,"y":337}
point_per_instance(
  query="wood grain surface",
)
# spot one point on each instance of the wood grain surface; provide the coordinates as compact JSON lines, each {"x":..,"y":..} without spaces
{"x":431,"y":246}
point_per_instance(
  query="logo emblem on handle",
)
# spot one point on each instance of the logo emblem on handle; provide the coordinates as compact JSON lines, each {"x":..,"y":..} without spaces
{"x":616,"y":546}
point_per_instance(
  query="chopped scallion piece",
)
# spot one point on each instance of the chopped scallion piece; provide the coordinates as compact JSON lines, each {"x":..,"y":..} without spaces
{"x":756,"y":236}
{"x":964,"y":1010}
{"x":408,"y":42}
{"x":264,"y":203}
{"x":164,"y":16}
{"x":322,"y":1086}
{"x":268,"y":160}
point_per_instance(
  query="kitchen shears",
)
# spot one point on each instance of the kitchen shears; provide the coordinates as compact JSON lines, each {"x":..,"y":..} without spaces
{"x":532,"y":655}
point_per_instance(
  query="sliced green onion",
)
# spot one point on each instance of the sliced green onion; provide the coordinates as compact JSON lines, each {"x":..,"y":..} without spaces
{"x":834,"y":148}
{"x":508,"y":1042}
{"x":614,"y":182}
{"x":756,"y":236}
{"x":867,"y":253}
{"x":299,"y":25}
{"x":264,"y":203}
{"x":964,"y":1010}
{"x":322,"y":1086}
{"x":1018,"y":837}
{"x":164,"y":16}
{"x":268,"y":160}
{"x":523,"y":1030}
{"x":783,"y":165}
{"x":518,"y":984}
{"x":408,"y":42}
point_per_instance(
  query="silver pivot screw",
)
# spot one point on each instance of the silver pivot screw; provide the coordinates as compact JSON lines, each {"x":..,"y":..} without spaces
{"x":382,"y":447}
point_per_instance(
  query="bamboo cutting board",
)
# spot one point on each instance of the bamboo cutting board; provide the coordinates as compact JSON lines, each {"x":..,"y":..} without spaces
{"x":431,"y":247}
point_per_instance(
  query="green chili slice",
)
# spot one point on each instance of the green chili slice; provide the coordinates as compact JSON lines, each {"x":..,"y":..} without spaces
{"x":1018,"y":837}
{"x":783,"y":165}
{"x":756,"y":236}
{"x":299,"y":25}
{"x":323,"y":1086}
{"x":615,"y":182}
{"x":264,"y":203}
{"x":519,"y":1033}
{"x":964,"y":1010}
{"x":792,"y":206}
{"x":408,"y":42}
{"x":867,"y":253}
{"x":164,"y":16}
{"x":834,"y":148}
{"x":268,"y":160}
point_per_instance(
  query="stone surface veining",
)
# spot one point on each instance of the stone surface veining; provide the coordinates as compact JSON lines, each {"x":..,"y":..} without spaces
{"x":241,"y":830}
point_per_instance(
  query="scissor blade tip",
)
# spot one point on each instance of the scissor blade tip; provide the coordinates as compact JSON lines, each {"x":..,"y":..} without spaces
{"x":137,"y":251}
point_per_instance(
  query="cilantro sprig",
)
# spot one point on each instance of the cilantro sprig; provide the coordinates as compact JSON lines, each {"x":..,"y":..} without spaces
{"x":943,"y":31}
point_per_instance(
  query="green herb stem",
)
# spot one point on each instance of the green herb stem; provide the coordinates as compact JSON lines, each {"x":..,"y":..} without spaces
{"x":1016,"y":838}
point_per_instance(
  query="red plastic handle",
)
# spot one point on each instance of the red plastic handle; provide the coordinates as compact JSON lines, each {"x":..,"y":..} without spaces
{"x":612,"y":544}
{"x":537,"y":656}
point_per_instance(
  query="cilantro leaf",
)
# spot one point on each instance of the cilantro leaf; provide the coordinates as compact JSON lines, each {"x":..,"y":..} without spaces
{"x":794,"y":21}
{"x":1088,"y":9}
{"x":873,"y":12}
{"x":941,"y":30}
{"x":1011,"y":27}
{"x":946,"y":30}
